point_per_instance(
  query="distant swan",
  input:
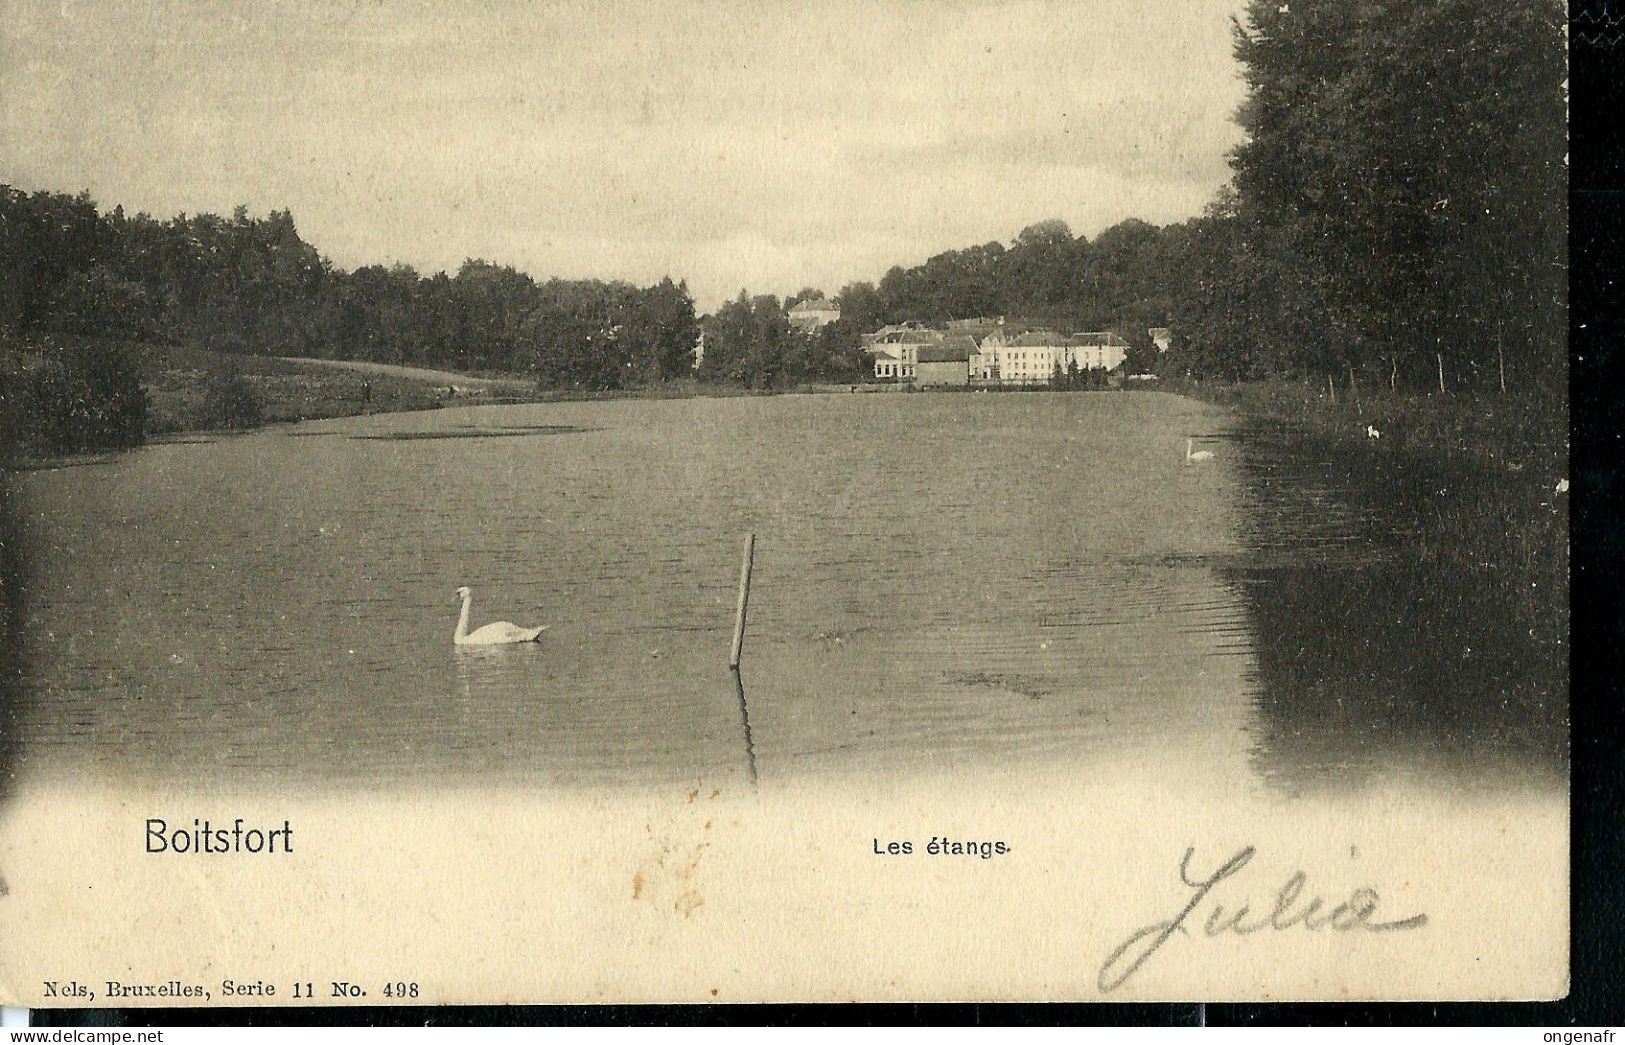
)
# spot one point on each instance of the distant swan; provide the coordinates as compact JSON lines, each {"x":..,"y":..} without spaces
{"x":1200,"y":455}
{"x":498,"y":633}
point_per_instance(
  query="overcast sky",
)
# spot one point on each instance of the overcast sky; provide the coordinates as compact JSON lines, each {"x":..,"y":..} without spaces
{"x":767,"y":145}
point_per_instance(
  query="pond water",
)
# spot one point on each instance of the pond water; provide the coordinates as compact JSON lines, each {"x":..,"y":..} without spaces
{"x":942,"y":583}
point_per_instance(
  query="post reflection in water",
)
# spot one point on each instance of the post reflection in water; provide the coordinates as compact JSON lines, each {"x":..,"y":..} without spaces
{"x":1049,"y":587}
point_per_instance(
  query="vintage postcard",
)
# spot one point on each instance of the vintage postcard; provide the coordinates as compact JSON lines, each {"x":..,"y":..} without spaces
{"x":752,"y":501}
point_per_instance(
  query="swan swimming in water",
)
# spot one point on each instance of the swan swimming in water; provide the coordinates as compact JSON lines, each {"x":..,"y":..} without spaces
{"x":1200,"y":455}
{"x":497,"y":633}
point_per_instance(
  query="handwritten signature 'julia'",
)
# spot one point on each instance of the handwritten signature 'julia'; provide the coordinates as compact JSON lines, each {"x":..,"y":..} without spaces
{"x":1353,"y":914}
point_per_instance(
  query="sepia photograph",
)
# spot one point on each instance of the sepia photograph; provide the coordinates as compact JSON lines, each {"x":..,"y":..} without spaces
{"x":748,"y":501}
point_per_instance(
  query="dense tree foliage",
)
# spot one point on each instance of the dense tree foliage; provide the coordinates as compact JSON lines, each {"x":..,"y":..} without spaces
{"x":230,"y":400}
{"x":254,"y":286}
{"x":749,"y":341}
{"x":1398,"y":207}
{"x":73,"y":395}
{"x":1400,"y":198}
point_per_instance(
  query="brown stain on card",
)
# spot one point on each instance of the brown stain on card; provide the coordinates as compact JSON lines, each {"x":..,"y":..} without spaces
{"x":669,"y":873}
{"x":683,"y":874}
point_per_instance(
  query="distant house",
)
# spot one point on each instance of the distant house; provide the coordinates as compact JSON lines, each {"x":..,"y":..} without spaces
{"x":813,"y":313}
{"x":1162,"y":337}
{"x":901,"y":344}
{"x":947,"y":363}
{"x":890,"y":332}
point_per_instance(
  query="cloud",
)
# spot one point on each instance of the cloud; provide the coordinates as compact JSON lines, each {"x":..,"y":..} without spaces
{"x":732,"y":143}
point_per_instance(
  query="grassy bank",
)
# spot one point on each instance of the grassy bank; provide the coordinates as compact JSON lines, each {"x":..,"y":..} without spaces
{"x":191,"y":390}
{"x":178,"y":381}
{"x":1525,"y":438}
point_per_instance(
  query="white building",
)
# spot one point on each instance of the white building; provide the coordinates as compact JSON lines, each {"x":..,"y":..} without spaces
{"x":813,"y":313}
{"x":887,"y":366}
{"x":1099,"y":350}
{"x":1032,"y":358}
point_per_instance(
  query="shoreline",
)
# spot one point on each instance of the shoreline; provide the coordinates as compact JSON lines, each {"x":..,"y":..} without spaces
{"x":1517,"y":436}
{"x":1509,"y":434}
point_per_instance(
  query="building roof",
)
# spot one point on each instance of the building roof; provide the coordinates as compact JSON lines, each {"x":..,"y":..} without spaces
{"x":908,"y":337}
{"x":954,"y":350}
{"x":884,"y":355}
{"x":816,"y":305}
{"x":1102,"y":338}
{"x":1038,"y":339}
{"x":889,"y":331}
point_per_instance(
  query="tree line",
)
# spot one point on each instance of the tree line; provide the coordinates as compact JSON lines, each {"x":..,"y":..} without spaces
{"x":1398,"y":207}
{"x":252,"y":285}
{"x":1400,"y":197}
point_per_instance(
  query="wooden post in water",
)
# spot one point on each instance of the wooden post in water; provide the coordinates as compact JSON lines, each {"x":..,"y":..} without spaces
{"x":744,"y":599}
{"x":1331,"y":389}
{"x":1354,"y":389}
{"x":1440,"y":357}
{"x":1500,"y":356}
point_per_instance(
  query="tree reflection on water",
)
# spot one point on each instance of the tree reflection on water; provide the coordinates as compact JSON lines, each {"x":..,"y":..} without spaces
{"x":1416,"y":633}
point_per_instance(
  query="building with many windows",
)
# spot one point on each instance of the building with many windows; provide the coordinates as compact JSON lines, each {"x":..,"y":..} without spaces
{"x":1033,"y":357}
{"x":996,"y":354}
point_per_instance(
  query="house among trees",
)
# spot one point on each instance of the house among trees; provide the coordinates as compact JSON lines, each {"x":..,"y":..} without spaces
{"x":813,"y":313}
{"x":900,"y":346}
{"x":1036,"y":357}
{"x":991,"y":352}
{"x":887,"y":366}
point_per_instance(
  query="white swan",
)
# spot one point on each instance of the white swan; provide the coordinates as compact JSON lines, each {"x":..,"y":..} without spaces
{"x":1372,"y":433}
{"x":1200,"y":455}
{"x":497,"y":633}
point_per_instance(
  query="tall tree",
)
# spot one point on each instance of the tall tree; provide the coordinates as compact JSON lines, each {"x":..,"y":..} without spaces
{"x":1409,"y":154}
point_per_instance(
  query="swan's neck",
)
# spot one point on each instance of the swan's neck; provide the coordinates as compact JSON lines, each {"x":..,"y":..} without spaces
{"x":462,"y":621}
